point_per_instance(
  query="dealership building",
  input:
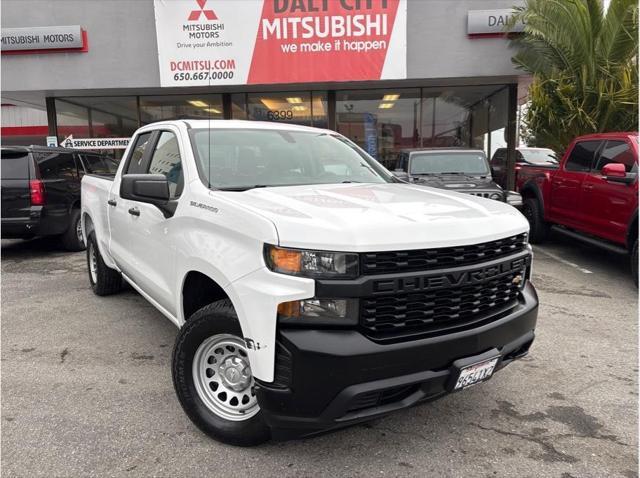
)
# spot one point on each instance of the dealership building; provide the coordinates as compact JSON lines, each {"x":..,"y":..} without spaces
{"x":389,"y":74}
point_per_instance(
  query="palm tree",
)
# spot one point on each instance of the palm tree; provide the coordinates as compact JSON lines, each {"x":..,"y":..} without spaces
{"x":584,"y":65}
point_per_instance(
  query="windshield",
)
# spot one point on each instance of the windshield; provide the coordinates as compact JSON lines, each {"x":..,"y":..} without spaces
{"x":473,"y":163}
{"x":539,"y":156}
{"x":240,"y":159}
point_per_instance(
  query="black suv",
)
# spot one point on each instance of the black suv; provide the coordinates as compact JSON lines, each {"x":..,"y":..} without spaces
{"x":455,"y":169}
{"x":41,"y":191}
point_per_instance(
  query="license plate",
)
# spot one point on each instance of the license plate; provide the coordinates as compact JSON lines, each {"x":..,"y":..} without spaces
{"x":475,"y":373}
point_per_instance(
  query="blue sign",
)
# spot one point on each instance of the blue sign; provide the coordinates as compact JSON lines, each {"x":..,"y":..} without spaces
{"x":370,"y":135}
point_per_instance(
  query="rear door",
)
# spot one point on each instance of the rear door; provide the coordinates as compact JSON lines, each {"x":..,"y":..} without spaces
{"x":566,"y":204}
{"x":15,"y":170}
{"x":610,"y":204}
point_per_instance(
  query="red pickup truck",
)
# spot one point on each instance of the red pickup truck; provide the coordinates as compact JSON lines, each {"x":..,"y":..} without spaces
{"x":592,"y":196}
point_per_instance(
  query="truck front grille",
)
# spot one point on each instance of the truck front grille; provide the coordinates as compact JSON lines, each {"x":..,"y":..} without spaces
{"x":432,"y":311}
{"x":429,"y":259}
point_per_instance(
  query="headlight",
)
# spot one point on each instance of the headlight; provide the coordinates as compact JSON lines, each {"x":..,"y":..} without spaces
{"x":319,"y":312}
{"x":315,"y":264}
{"x":496,"y":196}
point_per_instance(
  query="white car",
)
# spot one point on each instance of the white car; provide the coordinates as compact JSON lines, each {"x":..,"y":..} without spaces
{"x":312,"y":289}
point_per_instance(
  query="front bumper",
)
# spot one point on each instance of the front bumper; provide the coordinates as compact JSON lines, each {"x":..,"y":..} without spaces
{"x":335,"y":378}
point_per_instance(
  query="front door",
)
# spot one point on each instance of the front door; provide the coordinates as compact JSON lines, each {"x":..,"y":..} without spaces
{"x":566,"y":202}
{"x":610,"y":204}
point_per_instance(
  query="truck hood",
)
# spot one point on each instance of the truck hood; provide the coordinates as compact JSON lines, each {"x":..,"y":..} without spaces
{"x":377,"y":217}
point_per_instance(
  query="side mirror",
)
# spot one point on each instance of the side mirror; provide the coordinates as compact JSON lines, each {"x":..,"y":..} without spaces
{"x":148,"y":188}
{"x":616,"y":172}
{"x":401,"y":174}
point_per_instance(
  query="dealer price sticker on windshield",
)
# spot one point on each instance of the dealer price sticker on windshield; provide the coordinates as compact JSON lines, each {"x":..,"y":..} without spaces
{"x":476,"y":373}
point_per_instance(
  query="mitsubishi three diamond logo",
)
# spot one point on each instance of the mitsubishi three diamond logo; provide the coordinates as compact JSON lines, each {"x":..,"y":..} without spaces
{"x":194,"y":16}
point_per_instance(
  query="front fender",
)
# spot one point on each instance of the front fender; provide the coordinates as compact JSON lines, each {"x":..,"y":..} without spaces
{"x":256,"y":297}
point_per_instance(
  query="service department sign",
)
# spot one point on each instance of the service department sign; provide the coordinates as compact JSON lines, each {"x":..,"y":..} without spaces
{"x":491,"y":22}
{"x":214,"y":42}
{"x":43,"y":38}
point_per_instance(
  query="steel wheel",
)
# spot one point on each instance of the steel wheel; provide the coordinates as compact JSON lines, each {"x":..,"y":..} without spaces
{"x":223,"y":379}
{"x":79,"y":231}
{"x":93,"y":263}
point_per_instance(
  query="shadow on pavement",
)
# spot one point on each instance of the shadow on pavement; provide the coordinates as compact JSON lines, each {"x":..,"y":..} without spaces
{"x":31,"y":248}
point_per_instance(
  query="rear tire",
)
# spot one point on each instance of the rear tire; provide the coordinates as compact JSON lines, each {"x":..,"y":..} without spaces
{"x":72,"y":240}
{"x":212,"y":377}
{"x":103,"y":279}
{"x":538,"y":227}
{"x":634,"y":262}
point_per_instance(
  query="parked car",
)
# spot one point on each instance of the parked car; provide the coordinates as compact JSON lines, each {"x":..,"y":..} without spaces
{"x":312,"y":289}
{"x":454,"y":169}
{"x":41,"y":191}
{"x":592,"y":196}
{"x":525,"y":156}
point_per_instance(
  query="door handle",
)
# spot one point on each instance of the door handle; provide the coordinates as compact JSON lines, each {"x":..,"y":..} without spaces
{"x":111,"y":202}
{"x":588,"y":187}
{"x":134,"y":211}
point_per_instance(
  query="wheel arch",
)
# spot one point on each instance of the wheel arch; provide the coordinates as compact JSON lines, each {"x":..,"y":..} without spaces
{"x":197,"y":290}
{"x":531,"y":191}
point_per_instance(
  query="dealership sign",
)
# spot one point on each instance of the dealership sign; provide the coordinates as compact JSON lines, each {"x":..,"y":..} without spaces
{"x":231,"y":42}
{"x":491,"y":22}
{"x":43,"y":39}
{"x":95,"y":143}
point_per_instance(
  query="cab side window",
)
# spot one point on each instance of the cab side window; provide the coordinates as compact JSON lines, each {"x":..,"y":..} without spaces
{"x":617,"y":152}
{"x":97,"y":164}
{"x":581,"y":156}
{"x":166,"y":160}
{"x":136,"y":162}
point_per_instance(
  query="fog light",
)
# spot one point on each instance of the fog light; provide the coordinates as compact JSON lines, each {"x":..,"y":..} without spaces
{"x":319,"y":312}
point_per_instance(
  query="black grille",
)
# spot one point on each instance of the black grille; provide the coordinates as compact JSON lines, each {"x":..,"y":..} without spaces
{"x":426,"y":311}
{"x":429,"y":259}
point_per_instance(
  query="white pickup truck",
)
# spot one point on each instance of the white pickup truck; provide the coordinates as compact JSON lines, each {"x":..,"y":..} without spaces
{"x":311,"y":288}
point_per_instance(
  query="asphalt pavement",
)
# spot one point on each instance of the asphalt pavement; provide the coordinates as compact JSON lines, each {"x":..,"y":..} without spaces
{"x":86,"y":388}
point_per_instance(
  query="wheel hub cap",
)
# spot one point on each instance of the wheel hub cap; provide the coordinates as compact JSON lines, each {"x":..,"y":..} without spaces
{"x":223,"y":379}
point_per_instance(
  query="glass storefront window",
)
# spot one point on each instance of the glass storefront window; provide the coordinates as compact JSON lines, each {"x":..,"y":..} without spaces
{"x":382,"y":122}
{"x":159,"y":108}
{"x":297,"y":107}
{"x":97,"y":117}
{"x":72,"y":119}
{"x":239,"y":106}
{"x":455,"y":116}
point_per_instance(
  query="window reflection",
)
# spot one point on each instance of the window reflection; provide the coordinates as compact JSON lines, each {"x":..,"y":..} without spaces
{"x":380,"y":121}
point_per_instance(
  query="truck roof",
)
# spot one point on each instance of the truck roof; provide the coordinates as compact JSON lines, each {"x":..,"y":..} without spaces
{"x":607,"y":135}
{"x":241,"y":124}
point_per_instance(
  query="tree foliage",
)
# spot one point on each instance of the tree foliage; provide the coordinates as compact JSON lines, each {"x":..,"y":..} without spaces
{"x":584,"y":65}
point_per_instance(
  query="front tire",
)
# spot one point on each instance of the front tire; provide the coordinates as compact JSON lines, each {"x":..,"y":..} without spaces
{"x":213,"y":380}
{"x":72,"y":240}
{"x":103,"y":279}
{"x":538,"y":227}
